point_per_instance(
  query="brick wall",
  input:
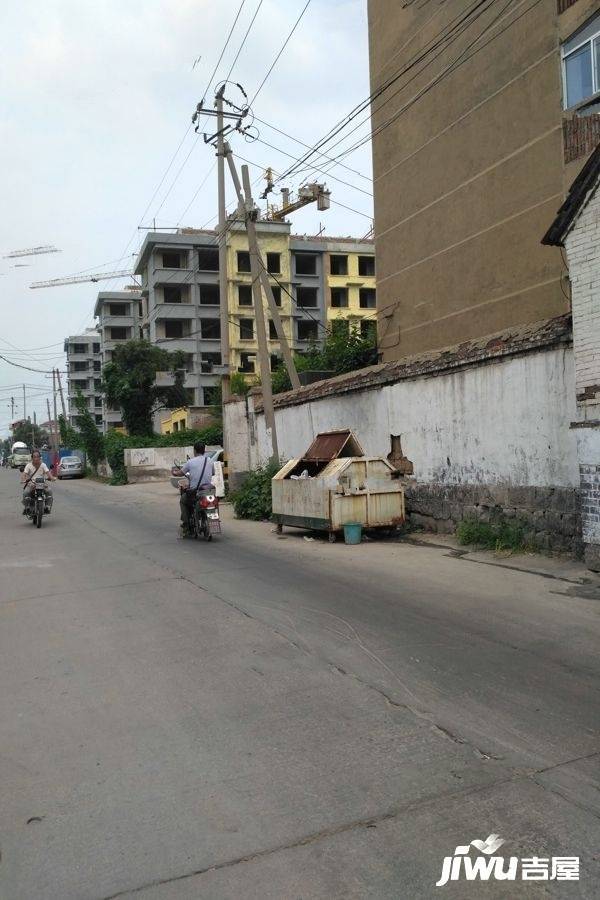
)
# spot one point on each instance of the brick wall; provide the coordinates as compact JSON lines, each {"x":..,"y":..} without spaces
{"x":581,"y":135}
{"x":582,"y":246}
{"x":590,"y":503}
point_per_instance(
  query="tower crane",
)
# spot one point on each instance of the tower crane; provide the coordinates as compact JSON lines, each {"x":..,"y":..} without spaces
{"x":32,"y":251}
{"x":79,"y":279}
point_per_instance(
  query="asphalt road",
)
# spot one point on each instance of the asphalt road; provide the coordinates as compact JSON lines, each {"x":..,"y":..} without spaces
{"x":281,"y":718}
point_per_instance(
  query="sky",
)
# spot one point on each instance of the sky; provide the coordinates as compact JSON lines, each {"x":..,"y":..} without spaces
{"x":96,"y":104}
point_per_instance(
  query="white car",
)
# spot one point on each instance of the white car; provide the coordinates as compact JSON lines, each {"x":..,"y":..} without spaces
{"x":70,"y":467}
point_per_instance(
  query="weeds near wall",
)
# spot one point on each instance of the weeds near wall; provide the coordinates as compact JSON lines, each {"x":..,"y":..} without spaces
{"x":500,"y":537}
{"x":253,"y":499}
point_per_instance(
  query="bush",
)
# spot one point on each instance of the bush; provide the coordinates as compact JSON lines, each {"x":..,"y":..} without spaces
{"x":498,"y":537}
{"x":253,"y":499}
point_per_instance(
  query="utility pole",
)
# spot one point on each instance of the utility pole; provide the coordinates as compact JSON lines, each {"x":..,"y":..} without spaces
{"x":12,"y":410}
{"x":51,"y":428}
{"x":223,"y":283}
{"x":246,"y":206}
{"x":62,"y":396}
{"x":24,"y":404}
{"x":55,"y":413}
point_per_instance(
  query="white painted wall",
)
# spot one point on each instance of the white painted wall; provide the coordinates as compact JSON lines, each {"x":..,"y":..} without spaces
{"x":504,"y":422}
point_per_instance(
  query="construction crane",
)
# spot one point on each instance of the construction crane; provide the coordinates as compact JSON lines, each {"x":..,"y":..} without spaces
{"x":32,"y":251}
{"x":79,"y":279}
{"x":308,"y":193}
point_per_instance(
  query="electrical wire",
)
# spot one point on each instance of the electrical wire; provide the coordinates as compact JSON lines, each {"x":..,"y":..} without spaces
{"x":244,"y":39}
{"x":276,"y":60}
{"x":231,"y":30}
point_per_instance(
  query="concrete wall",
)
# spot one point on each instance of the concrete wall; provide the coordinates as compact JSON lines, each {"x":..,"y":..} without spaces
{"x":469,"y":175}
{"x":486,"y":441}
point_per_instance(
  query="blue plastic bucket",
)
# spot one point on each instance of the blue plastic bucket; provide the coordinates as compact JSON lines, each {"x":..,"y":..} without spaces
{"x":352,"y":533}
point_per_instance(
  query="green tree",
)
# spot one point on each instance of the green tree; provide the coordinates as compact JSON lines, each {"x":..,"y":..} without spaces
{"x":344,"y":349}
{"x":69,"y":437}
{"x":24,"y":431}
{"x":92,"y":440}
{"x":130,"y":383}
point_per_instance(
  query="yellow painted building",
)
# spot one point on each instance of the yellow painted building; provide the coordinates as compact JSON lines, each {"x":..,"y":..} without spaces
{"x":351,"y":294}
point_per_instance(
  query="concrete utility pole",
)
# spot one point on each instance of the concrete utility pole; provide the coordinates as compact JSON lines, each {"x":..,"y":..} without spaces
{"x":62,"y":396}
{"x":54,"y":399}
{"x":247,"y":207}
{"x":24,"y":404}
{"x":12,"y":410}
{"x":223,"y":283}
{"x":52,"y":441}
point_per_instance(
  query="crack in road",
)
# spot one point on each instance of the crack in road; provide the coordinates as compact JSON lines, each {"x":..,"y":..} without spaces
{"x":365,"y":822}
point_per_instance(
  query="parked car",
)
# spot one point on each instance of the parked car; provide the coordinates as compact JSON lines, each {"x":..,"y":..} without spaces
{"x":70,"y":467}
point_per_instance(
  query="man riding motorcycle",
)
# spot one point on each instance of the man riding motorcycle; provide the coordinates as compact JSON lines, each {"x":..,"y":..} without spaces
{"x":199,"y":471}
{"x":36,"y":469}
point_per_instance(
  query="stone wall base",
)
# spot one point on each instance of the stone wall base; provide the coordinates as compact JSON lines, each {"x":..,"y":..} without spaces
{"x":550,"y":515}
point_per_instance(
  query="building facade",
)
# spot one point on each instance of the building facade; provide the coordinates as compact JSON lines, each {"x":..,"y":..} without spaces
{"x":118,"y":314}
{"x":316,"y":281}
{"x":481,"y":119}
{"x":84,"y":373}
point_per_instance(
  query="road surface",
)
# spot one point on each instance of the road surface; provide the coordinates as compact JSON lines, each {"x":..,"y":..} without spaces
{"x":282,"y":718}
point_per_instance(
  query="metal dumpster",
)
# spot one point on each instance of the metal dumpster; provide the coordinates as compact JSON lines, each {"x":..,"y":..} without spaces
{"x":334,"y":483}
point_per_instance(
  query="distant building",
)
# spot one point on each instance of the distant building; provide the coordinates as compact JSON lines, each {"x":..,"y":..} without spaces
{"x":118,"y":314}
{"x":84,"y":363}
{"x":316,"y":282}
{"x":483,"y":119}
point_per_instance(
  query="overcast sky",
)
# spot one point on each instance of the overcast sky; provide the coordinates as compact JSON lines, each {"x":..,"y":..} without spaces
{"x":96,"y":97}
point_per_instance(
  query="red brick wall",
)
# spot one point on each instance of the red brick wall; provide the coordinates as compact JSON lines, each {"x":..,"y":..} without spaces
{"x":581,"y":135}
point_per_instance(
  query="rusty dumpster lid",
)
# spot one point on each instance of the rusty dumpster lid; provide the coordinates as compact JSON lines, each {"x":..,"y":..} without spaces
{"x":330,"y":444}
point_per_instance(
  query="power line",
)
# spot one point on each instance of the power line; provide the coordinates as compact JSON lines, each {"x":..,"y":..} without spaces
{"x":284,"y":45}
{"x":200,"y":186}
{"x":256,"y":11}
{"x":224,"y":49}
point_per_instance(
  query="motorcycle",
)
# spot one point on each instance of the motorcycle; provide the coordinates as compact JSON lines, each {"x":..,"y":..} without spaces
{"x":36,"y":502}
{"x":204,"y":516}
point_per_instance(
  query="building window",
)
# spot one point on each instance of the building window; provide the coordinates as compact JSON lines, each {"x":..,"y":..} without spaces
{"x":118,"y":309}
{"x":276,"y":362}
{"x":171,"y":260}
{"x":96,"y":348}
{"x":277,"y":295}
{"x":79,"y":366}
{"x":211,"y":396}
{"x":80,"y":348}
{"x":339,"y":298}
{"x":367,"y":298}
{"x":245,"y":295}
{"x":306,"y":264}
{"x":273,"y":336}
{"x":172,"y":293}
{"x":209,"y":294}
{"x":174,"y":328}
{"x":208,"y":259}
{"x":210,"y":329}
{"x":247,"y":364}
{"x":307,"y":331}
{"x":99,"y":419}
{"x":208,"y":361}
{"x":366,"y":265}
{"x":97,"y":365}
{"x":306,"y":297}
{"x":246,"y":329}
{"x":243,"y":261}
{"x":80,"y":384}
{"x":274,"y":263}
{"x":97,"y":401}
{"x":338,"y":265}
{"x":97,"y":384}
{"x":368,"y":329}
{"x":118,"y":333}
{"x":581,"y":64}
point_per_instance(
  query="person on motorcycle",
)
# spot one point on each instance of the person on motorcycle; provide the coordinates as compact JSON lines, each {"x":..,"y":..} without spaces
{"x":199,"y":471}
{"x":36,"y":469}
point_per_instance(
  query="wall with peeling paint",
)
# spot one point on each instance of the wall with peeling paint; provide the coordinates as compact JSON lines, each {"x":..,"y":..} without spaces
{"x":502,"y":421}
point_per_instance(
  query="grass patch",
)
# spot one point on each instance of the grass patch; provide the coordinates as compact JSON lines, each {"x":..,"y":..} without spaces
{"x":501,"y":536}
